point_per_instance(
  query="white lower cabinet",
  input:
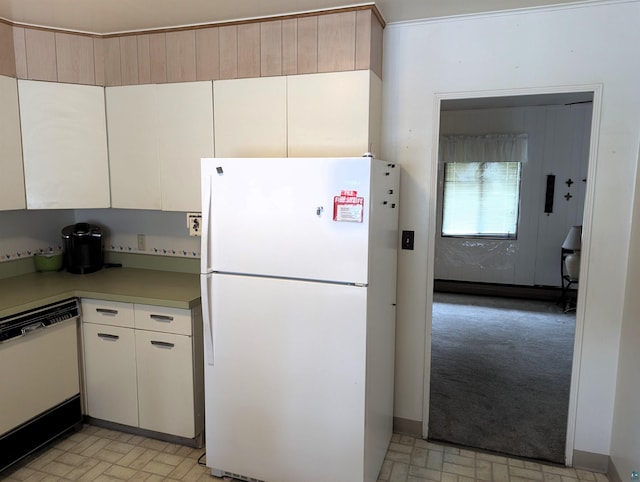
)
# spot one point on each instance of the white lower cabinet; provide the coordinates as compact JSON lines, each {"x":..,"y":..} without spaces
{"x":110,"y":367}
{"x":165,"y":383}
{"x":147,"y":373}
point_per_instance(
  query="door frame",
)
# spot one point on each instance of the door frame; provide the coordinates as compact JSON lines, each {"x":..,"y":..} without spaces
{"x":585,"y":253}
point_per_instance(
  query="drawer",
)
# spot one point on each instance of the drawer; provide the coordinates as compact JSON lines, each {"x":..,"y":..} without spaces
{"x":112,"y":313}
{"x":164,"y":319}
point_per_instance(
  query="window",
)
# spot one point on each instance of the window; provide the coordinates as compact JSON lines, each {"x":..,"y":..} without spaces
{"x":482,"y":184}
{"x":481,"y":199}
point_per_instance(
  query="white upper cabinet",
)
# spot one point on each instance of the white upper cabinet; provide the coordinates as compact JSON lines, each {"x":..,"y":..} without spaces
{"x":251,"y":117}
{"x":327,"y":114}
{"x":333,"y":114}
{"x":12,"y":195}
{"x":133,"y":147}
{"x":157,"y":135}
{"x":185,"y":135}
{"x":64,"y":145}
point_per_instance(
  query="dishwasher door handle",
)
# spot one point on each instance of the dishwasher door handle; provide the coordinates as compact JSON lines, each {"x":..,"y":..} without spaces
{"x":33,"y":327}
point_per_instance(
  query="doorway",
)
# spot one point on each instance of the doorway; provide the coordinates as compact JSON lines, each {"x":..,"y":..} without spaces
{"x":528,"y":264}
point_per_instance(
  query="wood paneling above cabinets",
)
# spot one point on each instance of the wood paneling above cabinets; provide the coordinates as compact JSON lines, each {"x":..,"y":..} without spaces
{"x":41,"y":54}
{"x":181,"y":56}
{"x":271,"y":53}
{"x":7,"y":51}
{"x":290,"y":46}
{"x":207,"y":54}
{"x":344,"y":40}
{"x":129,"y":66}
{"x":249,"y":50}
{"x":337,"y":42}
{"x":228,"y":52}
{"x":307,"y":45}
{"x":75,"y":59}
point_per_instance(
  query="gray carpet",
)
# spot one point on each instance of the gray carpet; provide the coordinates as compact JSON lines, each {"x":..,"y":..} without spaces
{"x":500,"y":375}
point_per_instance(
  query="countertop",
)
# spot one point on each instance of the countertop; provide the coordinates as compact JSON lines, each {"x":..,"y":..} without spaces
{"x":131,"y":285}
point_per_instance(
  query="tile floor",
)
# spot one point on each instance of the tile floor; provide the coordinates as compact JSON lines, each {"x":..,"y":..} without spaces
{"x":415,"y":460}
{"x":98,"y":454}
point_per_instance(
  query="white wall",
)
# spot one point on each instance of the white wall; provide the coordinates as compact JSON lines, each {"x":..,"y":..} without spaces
{"x":24,"y":232}
{"x":558,"y":145}
{"x":543,"y":49}
{"x":625,"y":445}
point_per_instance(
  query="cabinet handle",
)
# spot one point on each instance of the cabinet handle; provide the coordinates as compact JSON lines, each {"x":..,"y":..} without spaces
{"x":108,"y":336}
{"x":163,"y":344}
{"x":106,"y":311}
{"x":161,"y":317}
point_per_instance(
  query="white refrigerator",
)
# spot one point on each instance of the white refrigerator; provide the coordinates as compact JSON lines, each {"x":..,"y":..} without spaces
{"x":298,"y":289}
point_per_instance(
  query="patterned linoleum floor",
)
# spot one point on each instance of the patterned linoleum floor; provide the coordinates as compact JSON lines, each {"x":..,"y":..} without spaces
{"x":415,"y":460}
{"x":98,"y":454}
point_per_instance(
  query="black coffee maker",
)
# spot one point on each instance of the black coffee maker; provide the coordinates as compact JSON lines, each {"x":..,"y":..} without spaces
{"x":82,"y":248}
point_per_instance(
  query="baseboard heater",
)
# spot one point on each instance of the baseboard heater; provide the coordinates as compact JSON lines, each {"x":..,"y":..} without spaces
{"x":40,"y":430}
{"x":546,"y":293}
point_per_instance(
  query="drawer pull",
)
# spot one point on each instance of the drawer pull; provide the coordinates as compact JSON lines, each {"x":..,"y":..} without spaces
{"x":106,"y":311}
{"x":161,"y":317}
{"x":162,"y":344}
{"x":108,"y":336}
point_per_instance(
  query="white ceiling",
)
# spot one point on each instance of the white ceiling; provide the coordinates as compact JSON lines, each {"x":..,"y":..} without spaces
{"x":112,"y":16}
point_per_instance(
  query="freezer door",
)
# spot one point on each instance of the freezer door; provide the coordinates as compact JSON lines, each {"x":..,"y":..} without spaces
{"x":285,"y":397}
{"x":295,"y":218}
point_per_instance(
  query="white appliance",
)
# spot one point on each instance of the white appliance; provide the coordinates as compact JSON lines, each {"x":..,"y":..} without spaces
{"x":298,"y":291}
{"x":40,"y":384}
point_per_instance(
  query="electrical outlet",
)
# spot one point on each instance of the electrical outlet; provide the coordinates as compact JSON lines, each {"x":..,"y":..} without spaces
{"x":142,"y":242}
{"x":194,"y":222}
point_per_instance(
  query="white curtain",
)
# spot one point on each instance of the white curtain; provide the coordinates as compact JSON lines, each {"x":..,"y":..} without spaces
{"x":485,"y":148}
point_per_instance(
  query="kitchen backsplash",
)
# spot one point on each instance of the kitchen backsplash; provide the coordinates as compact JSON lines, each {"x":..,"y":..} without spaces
{"x":23,"y":233}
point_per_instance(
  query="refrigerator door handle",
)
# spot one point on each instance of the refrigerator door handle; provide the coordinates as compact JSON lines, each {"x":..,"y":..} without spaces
{"x":206,"y":318}
{"x":206,"y":223}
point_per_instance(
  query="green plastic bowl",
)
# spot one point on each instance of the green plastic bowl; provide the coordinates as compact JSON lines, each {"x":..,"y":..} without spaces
{"x":48,"y":261}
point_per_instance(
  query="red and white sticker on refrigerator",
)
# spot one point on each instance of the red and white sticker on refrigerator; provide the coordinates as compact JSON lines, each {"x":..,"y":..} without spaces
{"x":348,"y":207}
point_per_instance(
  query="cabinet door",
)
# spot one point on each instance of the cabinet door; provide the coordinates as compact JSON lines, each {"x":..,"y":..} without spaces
{"x":328,"y":114}
{"x":64,"y":141}
{"x":185,"y":135}
{"x":165,"y":383}
{"x":110,"y":373}
{"x":251,"y":117}
{"x":133,"y":147}
{"x":12,"y":194}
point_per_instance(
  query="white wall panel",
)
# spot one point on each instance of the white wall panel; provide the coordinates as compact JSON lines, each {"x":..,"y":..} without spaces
{"x":544,"y":49}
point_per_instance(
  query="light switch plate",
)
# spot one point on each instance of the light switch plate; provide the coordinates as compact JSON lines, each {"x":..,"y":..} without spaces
{"x":194,"y":223}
